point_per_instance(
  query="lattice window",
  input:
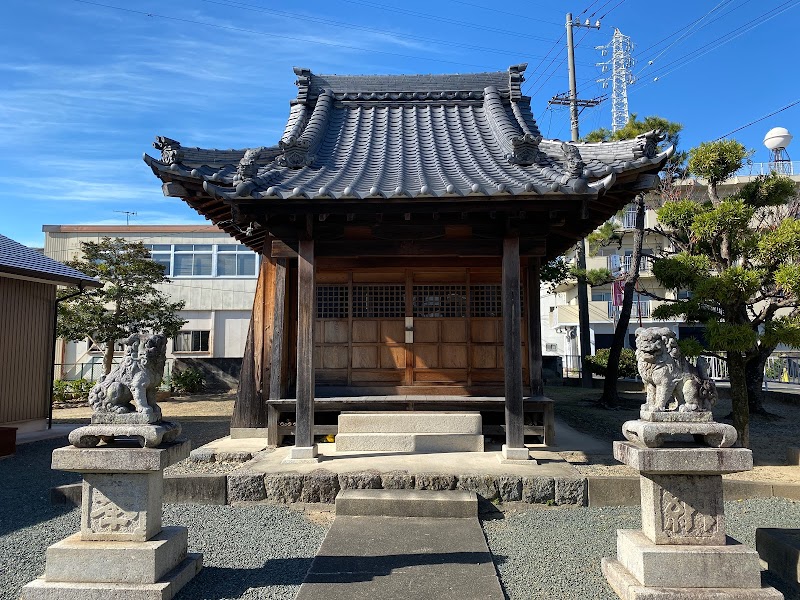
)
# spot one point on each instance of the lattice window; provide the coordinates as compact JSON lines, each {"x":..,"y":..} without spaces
{"x":440,"y":301}
{"x":486,"y":301}
{"x":379,"y":301}
{"x":332,"y":301}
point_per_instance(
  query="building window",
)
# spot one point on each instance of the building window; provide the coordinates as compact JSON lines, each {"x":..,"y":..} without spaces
{"x":162,"y":254}
{"x":192,"y":260}
{"x":379,"y":301}
{"x":205,"y":260}
{"x":440,"y":301}
{"x":191,"y":341}
{"x":235,"y":260}
{"x":486,"y":301}
{"x":332,"y":301}
{"x":551,"y":347}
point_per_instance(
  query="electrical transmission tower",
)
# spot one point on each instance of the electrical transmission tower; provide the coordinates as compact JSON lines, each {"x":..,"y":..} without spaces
{"x":621,"y":65}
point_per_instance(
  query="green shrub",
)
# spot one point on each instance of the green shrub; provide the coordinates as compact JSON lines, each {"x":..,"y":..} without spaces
{"x":188,"y":381}
{"x":598,"y":363}
{"x":80,"y":388}
{"x":60,"y":390}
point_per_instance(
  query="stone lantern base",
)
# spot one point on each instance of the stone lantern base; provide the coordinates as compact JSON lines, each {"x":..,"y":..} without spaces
{"x":682,"y":552}
{"x":121,"y":551}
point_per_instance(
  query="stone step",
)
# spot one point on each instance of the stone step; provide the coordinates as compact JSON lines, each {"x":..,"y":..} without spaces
{"x":409,"y":442}
{"x":407,"y":503}
{"x":780,"y":549}
{"x":411,"y":422}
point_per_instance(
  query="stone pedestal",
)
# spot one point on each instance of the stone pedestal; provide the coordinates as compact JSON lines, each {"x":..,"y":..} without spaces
{"x":121,"y":551}
{"x":682,"y":552}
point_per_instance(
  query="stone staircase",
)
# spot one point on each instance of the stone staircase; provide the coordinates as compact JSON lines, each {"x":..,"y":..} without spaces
{"x":425,"y":432}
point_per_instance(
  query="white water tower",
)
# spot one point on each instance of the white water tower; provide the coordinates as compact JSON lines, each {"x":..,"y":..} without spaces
{"x":776,"y":141}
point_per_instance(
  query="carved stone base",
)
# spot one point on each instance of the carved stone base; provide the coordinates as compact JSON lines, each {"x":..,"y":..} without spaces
{"x":628,"y":587}
{"x":654,"y":434}
{"x":167,"y":587}
{"x":148,"y":436}
{"x":127,"y":418}
{"x":675,"y":416}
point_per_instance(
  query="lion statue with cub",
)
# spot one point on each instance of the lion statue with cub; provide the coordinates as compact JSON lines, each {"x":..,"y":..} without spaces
{"x":671,"y":382}
{"x":131,"y":386}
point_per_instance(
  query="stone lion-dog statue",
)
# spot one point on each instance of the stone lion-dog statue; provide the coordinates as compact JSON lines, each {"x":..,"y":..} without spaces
{"x":671,"y":382}
{"x":131,"y":385}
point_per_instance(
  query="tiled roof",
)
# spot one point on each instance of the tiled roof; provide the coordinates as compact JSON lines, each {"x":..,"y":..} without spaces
{"x":412,"y":136}
{"x":16,"y":259}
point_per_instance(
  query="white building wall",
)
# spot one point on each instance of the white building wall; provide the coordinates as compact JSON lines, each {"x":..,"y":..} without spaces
{"x":220,"y":305}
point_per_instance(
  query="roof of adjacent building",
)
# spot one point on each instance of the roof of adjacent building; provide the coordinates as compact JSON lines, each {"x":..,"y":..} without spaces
{"x":17,"y":260}
{"x":409,"y":136}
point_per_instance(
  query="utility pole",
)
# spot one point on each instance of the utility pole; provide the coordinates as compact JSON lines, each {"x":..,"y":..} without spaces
{"x":583,"y":292}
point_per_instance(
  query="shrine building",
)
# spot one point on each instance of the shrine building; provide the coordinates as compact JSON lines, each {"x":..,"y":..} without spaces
{"x":402,"y":222}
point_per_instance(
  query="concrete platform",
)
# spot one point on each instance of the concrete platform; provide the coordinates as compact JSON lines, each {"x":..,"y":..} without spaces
{"x":411,"y":422}
{"x":453,"y":463}
{"x":407,"y":503}
{"x":409,"y":442}
{"x":393,"y":558}
{"x":780,"y":549}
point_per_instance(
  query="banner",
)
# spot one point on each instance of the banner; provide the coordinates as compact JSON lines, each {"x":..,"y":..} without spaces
{"x":617,"y":292}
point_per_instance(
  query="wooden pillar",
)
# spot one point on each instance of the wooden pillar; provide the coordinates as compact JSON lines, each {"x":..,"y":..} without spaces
{"x":514,"y":447}
{"x":534,"y":327}
{"x":306,"y":304}
{"x":277,"y":351}
{"x":248,"y":410}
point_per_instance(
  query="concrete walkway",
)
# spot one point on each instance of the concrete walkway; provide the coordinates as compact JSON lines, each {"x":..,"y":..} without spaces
{"x":420,"y":555}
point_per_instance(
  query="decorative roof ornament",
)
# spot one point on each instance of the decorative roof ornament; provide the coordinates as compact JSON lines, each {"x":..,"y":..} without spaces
{"x":526,"y":150}
{"x":572,"y":160}
{"x":247,"y":169}
{"x":303,"y":83}
{"x":171,"y":151}
{"x":300,"y":152}
{"x":515,"y":79}
{"x":647,"y":143}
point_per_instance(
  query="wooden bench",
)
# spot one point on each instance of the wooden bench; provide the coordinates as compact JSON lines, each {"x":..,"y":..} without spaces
{"x":539,"y":408}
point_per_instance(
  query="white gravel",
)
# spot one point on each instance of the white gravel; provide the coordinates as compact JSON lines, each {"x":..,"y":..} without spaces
{"x":554,"y":552}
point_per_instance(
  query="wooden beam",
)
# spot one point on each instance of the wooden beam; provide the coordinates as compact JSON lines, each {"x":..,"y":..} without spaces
{"x":306,"y":304}
{"x":248,"y":410}
{"x":512,"y":344}
{"x":389,"y":248}
{"x":534,"y":327}
{"x":278,"y":331}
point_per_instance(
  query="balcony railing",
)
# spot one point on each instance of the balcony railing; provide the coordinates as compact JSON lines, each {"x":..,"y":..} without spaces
{"x":761,"y":168}
{"x":639,"y":309}
{"x":625,"y":262}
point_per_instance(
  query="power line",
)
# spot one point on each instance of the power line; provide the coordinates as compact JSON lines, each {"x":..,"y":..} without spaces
{"x":445,"y":19}
{"x":279,"y":36}
{"x":503,"y":12}
{"x":673,"y":66}
{"x":313,"y":19}
{"x":773,"y":113}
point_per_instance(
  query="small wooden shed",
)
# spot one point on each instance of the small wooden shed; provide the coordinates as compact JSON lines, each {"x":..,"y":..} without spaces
{"x":403,"y":221}
{"x":28,"y":282}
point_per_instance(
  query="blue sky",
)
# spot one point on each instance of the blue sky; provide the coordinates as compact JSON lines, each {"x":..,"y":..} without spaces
{"x":86,"y":87}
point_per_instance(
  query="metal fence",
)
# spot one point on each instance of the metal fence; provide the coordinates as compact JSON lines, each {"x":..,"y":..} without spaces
{"x":779,"y":368}
{"x":92,"y":371}
{"x":789,"y":167}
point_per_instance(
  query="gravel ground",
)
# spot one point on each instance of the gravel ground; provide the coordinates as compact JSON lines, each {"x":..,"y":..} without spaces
{"x":250,"y":552}
{"x":554,"y":552}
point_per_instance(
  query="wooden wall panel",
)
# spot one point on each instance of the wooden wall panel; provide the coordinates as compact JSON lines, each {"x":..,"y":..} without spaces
{"x":26,"y":340}
{"x":426,"y":356}
{"x":426,"y":331}
{"x":454,"y":356}
{"x":393,"y":357}
{"x":454,"y":331}
{"x":393,"y":332}
{"x":485,"y":331}
{"x":484,"y":357}
{"x":365,"y":331}
{"x":335,"y":331}
{"x":365,"y":357}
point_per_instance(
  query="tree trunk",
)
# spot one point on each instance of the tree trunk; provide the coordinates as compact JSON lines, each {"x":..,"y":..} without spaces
{"x":741,"y":409}
{"x":754,"y":374}
{"x":610,"y":397}
{"x":108,"y":356}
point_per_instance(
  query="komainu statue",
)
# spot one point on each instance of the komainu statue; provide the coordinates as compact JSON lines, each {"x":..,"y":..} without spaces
{"x":131,"y":386}
{"x":124,"y":401}
{"x":671,"y":382}
{"x":679,"y":396}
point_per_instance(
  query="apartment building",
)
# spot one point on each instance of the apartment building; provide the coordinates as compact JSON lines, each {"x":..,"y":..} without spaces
{"x":215,"y":277}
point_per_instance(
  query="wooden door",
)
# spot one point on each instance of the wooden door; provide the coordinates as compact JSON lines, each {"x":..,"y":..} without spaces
{"x":404,"y":327}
